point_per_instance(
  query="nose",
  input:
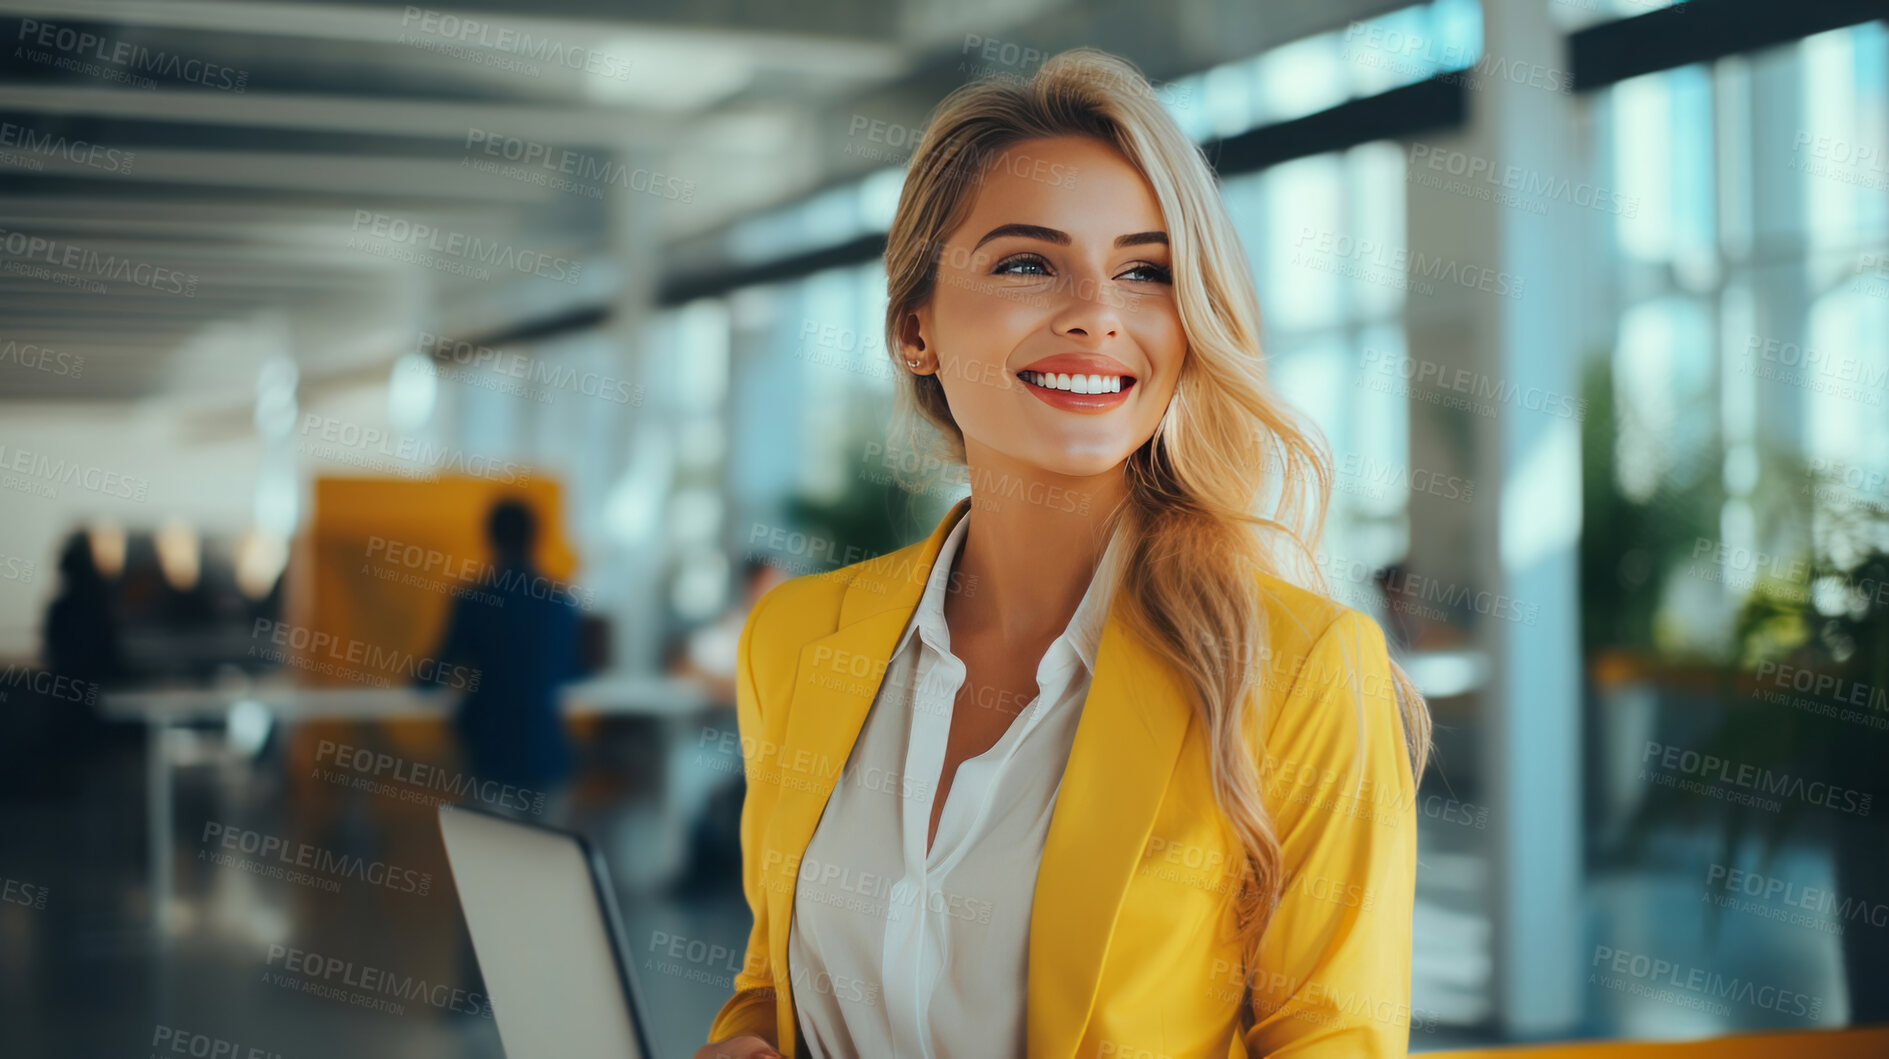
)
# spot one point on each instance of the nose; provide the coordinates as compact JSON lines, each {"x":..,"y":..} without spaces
{"x":1087,"y":312}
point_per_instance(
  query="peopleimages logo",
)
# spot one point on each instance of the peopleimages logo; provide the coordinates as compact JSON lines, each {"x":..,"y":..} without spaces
{"x":77,"y":265}
{"x":1836,"y":375}
{"x":169,"y":1040}
{"x":1406,"y":586}
{"x":316,"y":645}
{"x":49,"y":684}
{"x":39,"y":473}
{"x":15,"y":892}
{"x":1365,"y":476}
{"x":361,"y":985}
{"x":78,"y":152}
{"x":1711,"y":768}
{"x":1828,"y":686}
{"x":16,"y":568}
{"x":381,"y":766}
{"x":530,"y":371}
{"x":1814,"y":899}
{"x":1490,"y":180}
{"x":978,"y":164}
{"x":353,"y":443}
{"x":692,"y":960}
{"x":872,"y":893}
{"x":1642,"y":975}
{"x":464,"y":571}
{"x":1480,"y":393}
{"x":39,"y":358}
{"x":125,"y":61}
{"x":811,"y":547}
{"x":562,"y":169}
{"x":276,"y":857}
{"x":422,"y":239}
{"x":471,"y":31}
{"x":1846,"y":484}
{"x":1396,"y":266}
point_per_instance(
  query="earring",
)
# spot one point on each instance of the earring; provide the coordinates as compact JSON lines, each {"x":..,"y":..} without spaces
{"x":913,"y":363}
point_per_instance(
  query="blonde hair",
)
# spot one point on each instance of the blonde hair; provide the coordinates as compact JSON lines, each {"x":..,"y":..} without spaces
{"x":1194,"y":532}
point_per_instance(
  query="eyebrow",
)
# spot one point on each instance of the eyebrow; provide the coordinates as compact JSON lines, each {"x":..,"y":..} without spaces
{"x":1061,"y":238}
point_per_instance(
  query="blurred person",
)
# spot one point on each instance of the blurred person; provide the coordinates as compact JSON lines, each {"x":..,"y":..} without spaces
{"x":1406,"y":628}
{"x":52,"y":720}
{"x":83,"y":646}
{"x":524,"y":647}
{"x":81,"y":633}
{"x":707,"y":655}
{"x":1082,"y":772}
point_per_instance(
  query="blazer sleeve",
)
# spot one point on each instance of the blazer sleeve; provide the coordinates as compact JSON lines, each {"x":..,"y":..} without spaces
{"x":751,"y":1010}
{"x":1332,"y":971}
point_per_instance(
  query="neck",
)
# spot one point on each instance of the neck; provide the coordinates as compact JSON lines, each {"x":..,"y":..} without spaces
{"x":1033,"y":544}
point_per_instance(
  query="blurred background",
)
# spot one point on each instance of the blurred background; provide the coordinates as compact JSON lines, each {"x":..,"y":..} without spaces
{"x":376,"y":378}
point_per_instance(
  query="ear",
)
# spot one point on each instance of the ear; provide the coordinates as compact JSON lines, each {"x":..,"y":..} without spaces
{"x":912,"y":343}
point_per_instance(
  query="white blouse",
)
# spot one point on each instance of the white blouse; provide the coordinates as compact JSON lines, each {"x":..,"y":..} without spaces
{"x":893,"y":952}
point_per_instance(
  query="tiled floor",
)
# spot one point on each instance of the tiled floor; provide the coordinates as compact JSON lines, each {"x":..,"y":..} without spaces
{"x":88,"y":975}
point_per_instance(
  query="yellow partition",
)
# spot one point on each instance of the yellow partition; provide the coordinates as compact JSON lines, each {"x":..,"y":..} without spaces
{"x":378,"y":566}
{"x":377,"y":569}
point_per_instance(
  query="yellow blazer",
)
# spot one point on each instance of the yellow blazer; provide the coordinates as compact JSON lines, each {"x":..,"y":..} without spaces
{"x":1129,"y":952}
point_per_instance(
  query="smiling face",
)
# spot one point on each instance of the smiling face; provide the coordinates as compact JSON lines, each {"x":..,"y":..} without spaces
{"x":1053,"y":325}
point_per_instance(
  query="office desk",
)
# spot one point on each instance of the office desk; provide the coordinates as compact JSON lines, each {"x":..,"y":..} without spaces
{"x":164,"y":709}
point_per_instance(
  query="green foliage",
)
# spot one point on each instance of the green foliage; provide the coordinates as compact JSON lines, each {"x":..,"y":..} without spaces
{"x":1629,"y":546}
{"x":873,"y":516}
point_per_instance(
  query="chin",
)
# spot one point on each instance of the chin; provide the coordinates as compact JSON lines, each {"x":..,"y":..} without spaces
{"x":1077,"y":462}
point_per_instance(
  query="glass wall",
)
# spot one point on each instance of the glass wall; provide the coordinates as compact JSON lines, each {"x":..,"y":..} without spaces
{"x":1736,"y":527}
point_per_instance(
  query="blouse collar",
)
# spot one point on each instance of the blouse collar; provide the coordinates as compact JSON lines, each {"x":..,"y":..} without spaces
{"x":1083,"y":634}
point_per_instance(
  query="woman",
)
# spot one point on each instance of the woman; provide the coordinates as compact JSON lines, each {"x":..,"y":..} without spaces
{"x":1082,"y":773}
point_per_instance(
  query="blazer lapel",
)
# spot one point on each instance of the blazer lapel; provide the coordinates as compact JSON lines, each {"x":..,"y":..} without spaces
{"x":838,"y":677}
{"x":1126,"y":746}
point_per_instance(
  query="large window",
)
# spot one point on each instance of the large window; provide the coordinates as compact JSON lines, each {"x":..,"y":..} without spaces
{"x":1322,"y":321}
{"x":1753,"y":280}
{"x":1747,"y":348}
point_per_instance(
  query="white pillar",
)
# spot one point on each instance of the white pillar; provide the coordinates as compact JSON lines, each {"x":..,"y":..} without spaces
{"x":1532,"y":735}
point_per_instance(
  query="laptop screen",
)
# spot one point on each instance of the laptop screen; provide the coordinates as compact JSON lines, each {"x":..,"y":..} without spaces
{"x":543,"y":937}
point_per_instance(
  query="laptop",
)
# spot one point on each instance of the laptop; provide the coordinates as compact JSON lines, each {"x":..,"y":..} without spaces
{"x":548,"y":937}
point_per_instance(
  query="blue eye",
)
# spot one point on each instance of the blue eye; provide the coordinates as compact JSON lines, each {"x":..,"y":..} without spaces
{"x":1014,"y":265}
{"x":1150,"y":273}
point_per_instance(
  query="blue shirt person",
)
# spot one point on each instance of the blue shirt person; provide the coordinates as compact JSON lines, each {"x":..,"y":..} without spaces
{"x":520,"y":633}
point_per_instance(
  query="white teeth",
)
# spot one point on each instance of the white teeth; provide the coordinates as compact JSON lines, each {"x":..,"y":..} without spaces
{"x":1075,"y":383}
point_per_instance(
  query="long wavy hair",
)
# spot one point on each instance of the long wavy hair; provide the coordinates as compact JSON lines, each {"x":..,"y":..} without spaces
{"x":1232,"y":483}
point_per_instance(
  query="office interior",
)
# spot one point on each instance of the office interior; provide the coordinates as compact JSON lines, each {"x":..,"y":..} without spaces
{"x":1588,"y":297}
